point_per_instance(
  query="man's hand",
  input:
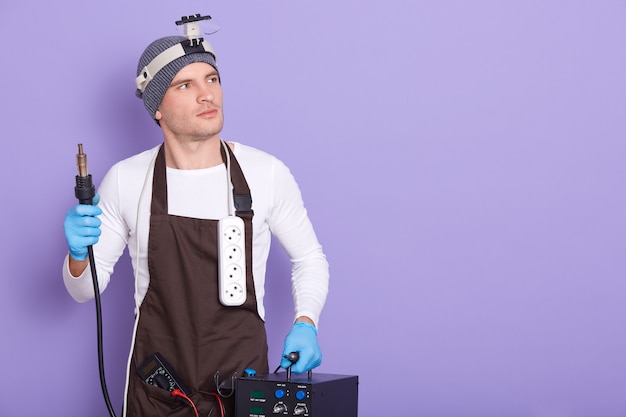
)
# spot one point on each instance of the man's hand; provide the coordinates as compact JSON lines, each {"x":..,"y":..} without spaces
{"x":302,"y":339}
{"x":82,"y":229}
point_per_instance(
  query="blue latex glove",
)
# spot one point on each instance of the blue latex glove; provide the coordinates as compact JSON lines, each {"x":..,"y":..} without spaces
{"x":82,"y":228}
{"x":302,"y":339}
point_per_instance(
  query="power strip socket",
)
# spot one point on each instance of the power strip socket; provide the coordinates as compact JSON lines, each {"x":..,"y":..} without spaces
{"x":232,"y":261}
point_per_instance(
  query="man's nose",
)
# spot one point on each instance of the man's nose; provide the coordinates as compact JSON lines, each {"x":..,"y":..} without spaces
{"x":205,"y":93}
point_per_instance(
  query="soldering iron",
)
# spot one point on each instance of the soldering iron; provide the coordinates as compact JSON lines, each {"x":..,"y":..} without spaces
{"x":85,"y":193}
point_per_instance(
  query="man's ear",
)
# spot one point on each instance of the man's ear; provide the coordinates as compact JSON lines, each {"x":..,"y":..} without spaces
{"x":157,"y":115}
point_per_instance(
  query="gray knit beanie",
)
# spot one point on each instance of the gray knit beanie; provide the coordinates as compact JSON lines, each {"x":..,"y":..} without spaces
{"x":160,"y":82}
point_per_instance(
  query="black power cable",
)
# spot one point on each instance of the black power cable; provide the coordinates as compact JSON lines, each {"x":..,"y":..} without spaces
{"x":85,"y":192}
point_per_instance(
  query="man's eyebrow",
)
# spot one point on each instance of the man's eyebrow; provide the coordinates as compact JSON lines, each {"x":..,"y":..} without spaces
{"x":180,"y":81}
{"x":188,"y":80}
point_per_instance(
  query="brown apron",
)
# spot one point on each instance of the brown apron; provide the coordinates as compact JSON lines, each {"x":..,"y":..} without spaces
{"x":181,"y":316}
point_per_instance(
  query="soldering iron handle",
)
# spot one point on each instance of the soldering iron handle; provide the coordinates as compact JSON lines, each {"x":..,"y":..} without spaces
{"x":84,"y":190}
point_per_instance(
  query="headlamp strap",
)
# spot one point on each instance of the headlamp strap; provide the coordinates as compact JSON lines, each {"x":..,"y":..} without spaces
{"x":194,"y":44}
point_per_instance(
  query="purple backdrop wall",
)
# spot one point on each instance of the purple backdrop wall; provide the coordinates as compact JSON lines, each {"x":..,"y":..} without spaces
{"x":463,"y":163}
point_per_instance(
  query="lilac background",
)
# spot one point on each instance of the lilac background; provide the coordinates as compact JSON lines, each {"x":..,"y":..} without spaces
{"x":463,"y":162}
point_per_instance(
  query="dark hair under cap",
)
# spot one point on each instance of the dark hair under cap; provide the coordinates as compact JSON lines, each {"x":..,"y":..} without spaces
{"x":156,"y":88}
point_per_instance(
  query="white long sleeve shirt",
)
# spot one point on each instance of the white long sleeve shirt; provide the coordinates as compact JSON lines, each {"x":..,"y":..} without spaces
{"x":125,"y":197}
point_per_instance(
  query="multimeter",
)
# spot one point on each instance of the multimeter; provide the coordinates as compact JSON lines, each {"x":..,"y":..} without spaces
{"x":155,"y":371}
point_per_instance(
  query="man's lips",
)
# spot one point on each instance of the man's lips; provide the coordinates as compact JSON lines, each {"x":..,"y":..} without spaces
{"x":208,"y":113}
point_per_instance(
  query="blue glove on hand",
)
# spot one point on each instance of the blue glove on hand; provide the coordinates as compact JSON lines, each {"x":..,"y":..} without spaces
{"x":82,"y":228}
{"x":302,"y":339}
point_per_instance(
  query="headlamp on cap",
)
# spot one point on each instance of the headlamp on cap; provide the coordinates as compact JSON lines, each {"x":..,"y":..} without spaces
{"x":193,"y":44}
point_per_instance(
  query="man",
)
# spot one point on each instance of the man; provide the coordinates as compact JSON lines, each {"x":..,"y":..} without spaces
{"x":166,"y":204}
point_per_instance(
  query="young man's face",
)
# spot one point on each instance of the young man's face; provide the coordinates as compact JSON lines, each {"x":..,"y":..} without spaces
{"x":192,"y":105}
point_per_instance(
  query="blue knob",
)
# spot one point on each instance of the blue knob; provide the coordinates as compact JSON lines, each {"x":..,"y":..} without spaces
{"x":279,"y":393}
{"x":301,"y":395}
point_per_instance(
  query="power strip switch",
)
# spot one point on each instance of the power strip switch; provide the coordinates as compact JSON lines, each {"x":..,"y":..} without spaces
{"x":232,"y":261}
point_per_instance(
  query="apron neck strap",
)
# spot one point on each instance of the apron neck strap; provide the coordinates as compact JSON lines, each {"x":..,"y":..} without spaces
{"x":241,"y":190}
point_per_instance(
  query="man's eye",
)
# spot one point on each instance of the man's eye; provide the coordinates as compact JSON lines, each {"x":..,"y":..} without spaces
{"x":183,"y":86}
{"x":213,"y":79}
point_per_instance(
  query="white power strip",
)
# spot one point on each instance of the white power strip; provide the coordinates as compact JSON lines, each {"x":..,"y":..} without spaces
{"x":232,"y":261}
